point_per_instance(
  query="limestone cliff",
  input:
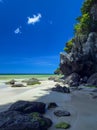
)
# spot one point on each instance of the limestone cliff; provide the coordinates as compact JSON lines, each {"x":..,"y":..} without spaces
{"x":82,"y":58}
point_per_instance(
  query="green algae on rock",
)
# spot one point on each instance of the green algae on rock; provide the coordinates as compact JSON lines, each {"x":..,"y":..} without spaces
{"x":62,"y":125}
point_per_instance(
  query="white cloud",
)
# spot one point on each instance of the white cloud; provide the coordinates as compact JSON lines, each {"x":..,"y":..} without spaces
{"x":17,"y":31}
{"x":34,"y":19}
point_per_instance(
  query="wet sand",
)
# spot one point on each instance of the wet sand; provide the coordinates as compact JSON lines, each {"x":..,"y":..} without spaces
{"x":80,"y":104}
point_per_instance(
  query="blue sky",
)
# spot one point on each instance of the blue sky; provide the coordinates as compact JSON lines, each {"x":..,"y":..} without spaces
{"x":34,"y":32}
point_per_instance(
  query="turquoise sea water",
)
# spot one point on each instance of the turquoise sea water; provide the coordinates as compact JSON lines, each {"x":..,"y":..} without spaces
{"x":23,"y":76}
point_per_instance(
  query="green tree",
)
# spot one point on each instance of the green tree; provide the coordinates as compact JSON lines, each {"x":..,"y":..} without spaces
{"x":84,"y":24}
{"x":69,"y":46}
{"x":57,"y":71}
{"x":87,"y":6}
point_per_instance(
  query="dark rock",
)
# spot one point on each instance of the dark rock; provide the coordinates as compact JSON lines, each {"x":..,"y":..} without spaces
{"x":60,"y":113}
{"x":95,"y":90}
{"x":12,"y":82}
{"x":83,"y":80}
{"x":92,"y":80}
{"x":14,"y":120}
{"x":28,"y":107}
{"x":61,"y":89}
{"x":18,"y":85}
{"x":47,"y":123}
{"x":93,"y":13}
{"x":43,"y":122}
{"x":52,"y":105}
{"x":83,"y":57}
{"x":94,"y":97}
{"x":72,"y":80}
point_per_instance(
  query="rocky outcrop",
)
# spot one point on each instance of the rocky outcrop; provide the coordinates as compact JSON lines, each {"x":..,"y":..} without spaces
{"x":82,"y":59}
{"x":93,"y":13}
{"x":72,"y":80}
{"x":83,"y":56}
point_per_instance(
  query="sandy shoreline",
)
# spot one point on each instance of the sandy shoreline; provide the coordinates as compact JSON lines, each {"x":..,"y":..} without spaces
{"x":81,"y":105}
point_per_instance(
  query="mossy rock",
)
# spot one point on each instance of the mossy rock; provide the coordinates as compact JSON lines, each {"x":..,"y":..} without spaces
{"x":42,"y":121}
{"x":33,"y":82}
{"x":62,"y":125}
{"x":35,"y":114}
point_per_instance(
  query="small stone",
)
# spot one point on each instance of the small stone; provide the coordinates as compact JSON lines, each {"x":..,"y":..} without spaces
{"x":61,"y":113}
{"x":52,"y":105}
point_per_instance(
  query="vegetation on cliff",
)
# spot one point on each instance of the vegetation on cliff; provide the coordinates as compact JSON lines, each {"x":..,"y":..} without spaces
{"x":85,"y":23}
{"x":69,"y":45}
{"x":57,"y":71}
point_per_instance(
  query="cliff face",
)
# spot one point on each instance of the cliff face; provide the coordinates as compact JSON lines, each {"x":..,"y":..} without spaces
{"x":82,"y":58}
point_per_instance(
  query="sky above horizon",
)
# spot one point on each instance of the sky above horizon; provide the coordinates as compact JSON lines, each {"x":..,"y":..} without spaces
{"x":34,"y":32}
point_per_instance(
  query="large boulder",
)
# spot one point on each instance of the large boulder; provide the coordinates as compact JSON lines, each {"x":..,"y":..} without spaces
{"x":92,"y":80}
{"x":61,"y":89}
{"x":28,"y":107}
{"x":14,"y":120}
{"x":72,"y":80}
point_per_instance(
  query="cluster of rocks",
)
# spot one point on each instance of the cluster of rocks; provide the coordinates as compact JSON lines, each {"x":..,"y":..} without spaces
{"x":25,"y":115}
{"x":75,"y":80}
{"x":27,"y":82}
{"x":79,"y":66}
{"x":62,"y":89}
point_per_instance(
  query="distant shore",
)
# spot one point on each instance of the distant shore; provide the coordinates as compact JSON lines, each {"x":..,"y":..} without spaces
{"x":23,"y":76}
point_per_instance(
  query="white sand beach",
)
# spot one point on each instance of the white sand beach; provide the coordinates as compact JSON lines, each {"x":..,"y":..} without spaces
{"x":80,"y":104}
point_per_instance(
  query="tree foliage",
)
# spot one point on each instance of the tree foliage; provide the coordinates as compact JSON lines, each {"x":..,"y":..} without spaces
{"x":69,"y":46}
{"x":87,"y":6}
{"x":85,"y":23}
{"x":57,"y":71}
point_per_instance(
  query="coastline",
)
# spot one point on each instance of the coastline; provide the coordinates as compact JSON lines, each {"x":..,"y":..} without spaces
{"x":80,"y":104}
